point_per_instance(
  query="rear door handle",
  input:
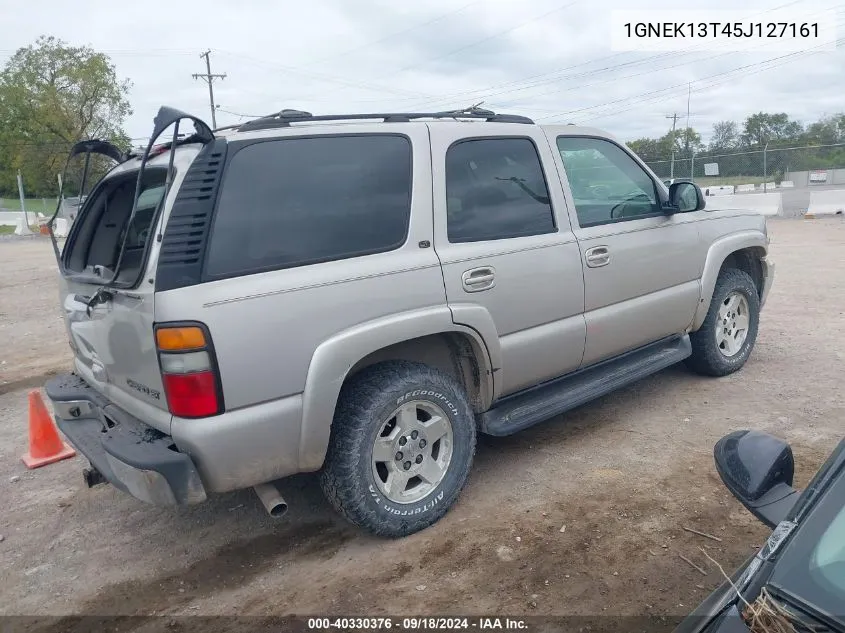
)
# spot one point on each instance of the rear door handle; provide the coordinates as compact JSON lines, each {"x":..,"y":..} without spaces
{"x":478,"y":279}
{"x":597,"y":256}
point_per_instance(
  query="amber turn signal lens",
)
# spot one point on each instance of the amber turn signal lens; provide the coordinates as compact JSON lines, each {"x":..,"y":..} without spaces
{"x":180,"y":338}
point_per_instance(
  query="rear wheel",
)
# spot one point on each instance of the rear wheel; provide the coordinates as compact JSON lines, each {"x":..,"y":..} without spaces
{"x":403,"y":440}
{"x":724,"y":341}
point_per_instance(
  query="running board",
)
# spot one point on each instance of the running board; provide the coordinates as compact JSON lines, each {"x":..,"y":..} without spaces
{"x":537,"y":404}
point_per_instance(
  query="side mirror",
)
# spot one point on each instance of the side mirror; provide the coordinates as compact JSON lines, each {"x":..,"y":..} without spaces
{"x":758,"y":469}
{"x":686,"y":196}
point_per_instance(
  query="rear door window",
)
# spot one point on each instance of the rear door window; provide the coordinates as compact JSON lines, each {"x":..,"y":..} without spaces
{"x":290,"y":202}
{"x":496,"y":189}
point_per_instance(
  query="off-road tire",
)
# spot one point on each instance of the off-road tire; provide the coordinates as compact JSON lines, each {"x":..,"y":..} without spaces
{"x":707,"y":359}
{"x":365,"y":402}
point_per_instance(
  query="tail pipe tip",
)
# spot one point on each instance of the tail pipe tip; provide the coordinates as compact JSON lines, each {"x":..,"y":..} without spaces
{"x":273,"y":502}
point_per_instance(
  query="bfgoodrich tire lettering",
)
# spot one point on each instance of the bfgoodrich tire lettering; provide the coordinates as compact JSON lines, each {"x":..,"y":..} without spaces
{"x":366,"y":404}
{"x":707,"y":356}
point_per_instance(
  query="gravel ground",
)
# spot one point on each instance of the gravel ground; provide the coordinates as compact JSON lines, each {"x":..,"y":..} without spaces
{"x":624,"y":474}
{"x":31,"y":326}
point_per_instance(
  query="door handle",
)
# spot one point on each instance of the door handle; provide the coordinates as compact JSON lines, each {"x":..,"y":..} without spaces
{"x":479,"y":279}
{"x":597,"y":256}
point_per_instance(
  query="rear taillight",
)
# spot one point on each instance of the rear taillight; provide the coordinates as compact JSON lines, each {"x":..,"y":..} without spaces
{"x":188,"y":370}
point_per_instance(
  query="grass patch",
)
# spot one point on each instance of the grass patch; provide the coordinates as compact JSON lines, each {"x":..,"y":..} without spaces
{"x":6,"y":229}
{"x":33,"y":205}
{"x":715,"y":181}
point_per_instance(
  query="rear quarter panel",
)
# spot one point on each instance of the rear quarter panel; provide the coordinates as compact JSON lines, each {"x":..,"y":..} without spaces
{"x":266,"y":326}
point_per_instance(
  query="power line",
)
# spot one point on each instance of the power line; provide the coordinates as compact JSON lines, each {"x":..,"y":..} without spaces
{"x":486,"y":39}
{"x":209,"y":78}
{"x":321,"y":77}
{"x":658,"y":94}
{"x":30,"y":143}
{"x":649,"y":71}
{"x":240,"y":114}
{"x":515,"y":86}
{"x":393,"y":35}
{"x":660,"y":91}
{"x":472,"y":44}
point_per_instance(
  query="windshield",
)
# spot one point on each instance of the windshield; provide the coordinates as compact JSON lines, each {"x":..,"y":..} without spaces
{"x":828,"y":560}
{"x":812,"y":568}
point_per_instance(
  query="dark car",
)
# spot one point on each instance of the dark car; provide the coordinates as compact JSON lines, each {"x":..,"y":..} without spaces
{"x":800,"y":571}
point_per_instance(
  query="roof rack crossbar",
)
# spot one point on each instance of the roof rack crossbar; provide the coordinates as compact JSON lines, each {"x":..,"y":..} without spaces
{"x":286,"y":117}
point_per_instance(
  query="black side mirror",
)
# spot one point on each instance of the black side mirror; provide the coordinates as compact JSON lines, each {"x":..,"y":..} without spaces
{"x":758,"y":469}
{"x":686,"y":196}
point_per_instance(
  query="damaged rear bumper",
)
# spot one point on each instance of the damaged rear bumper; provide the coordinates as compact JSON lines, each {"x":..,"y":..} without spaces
{"x":129,"y":454}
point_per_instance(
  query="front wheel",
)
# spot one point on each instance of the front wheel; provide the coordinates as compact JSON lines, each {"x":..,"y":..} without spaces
{"x":724,"y":341}
{"x":402,"y":444}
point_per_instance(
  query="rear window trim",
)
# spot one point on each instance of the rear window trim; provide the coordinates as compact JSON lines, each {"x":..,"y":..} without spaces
{"x":96,"y":192}
{"x":236,"y":146}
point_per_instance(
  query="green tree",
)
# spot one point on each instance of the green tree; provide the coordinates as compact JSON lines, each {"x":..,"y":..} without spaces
{"x":687,"y":141}
{"x":52,"y":95}
{"x":775,"y":129}
{"x":650,"y":149}
{"x":725,"y":137}
{"x":827,"y":131}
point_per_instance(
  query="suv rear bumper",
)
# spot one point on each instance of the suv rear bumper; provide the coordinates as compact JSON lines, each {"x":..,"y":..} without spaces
{"x":129,"y":454}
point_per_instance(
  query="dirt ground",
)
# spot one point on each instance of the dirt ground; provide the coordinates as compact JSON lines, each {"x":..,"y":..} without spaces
{"x":624,"y":474}
{"x":32,"y":332}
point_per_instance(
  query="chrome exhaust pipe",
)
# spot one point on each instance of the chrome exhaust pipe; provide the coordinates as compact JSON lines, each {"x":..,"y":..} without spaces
{"x":273,"y":502}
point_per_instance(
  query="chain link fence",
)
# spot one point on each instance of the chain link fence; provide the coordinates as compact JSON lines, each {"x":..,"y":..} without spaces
{"x":770,"y":167}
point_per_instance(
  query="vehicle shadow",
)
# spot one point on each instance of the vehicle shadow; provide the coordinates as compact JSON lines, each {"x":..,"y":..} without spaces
{"x":311,"y":530}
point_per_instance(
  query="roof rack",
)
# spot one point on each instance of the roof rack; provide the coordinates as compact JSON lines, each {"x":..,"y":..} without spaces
{"x":286,"y":117}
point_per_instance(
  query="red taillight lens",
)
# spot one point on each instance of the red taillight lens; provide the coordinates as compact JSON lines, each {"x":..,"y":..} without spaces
{"x":191,"y":395}
{"x":188,"y":370}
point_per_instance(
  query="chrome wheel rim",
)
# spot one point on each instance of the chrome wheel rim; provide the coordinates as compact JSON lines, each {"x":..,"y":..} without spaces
{"x":412,"y":452}
{"x":732,"y":324}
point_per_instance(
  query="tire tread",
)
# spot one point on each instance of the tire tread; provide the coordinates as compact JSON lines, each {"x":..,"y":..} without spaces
{"x":706,"y":359}
{"x":360,"y":397}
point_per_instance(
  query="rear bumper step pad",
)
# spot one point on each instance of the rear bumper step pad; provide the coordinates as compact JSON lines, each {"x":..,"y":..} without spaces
{"x":130,"y":455}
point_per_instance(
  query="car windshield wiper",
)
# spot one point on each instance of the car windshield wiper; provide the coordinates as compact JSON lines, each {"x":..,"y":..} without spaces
{"x":774,"y":606}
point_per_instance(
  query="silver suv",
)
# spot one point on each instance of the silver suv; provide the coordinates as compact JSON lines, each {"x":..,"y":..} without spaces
{"x":361,"y":295}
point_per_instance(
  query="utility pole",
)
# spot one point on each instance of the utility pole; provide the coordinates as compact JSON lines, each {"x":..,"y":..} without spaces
{"x":25,"y":228}
{"x":765,"y":176}
{"x":686,"y":132}
{"x":674,"y":117}
{"x":209,"y":78}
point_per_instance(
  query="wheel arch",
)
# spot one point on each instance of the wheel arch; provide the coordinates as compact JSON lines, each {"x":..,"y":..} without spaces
{"x":428,"y":336}
{"x":744,"y":251}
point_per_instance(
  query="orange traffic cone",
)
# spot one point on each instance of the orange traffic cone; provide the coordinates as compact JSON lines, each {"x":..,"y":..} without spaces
{"x":45,"y":445}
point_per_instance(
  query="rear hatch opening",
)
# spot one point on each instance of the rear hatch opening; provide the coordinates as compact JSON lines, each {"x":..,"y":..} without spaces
{"x":109,"y":313}
{"x":91,"y":254}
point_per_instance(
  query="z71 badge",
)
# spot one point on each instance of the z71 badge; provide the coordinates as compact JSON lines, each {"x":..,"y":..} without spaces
{"x":137,"y":386}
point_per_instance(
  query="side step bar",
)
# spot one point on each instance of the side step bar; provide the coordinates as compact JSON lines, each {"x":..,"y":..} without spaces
{"x":521,"y":410}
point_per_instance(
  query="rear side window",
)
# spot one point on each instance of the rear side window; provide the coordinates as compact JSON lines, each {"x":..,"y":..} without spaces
{"x":495,"y":189}
{"x":297,"y":201}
